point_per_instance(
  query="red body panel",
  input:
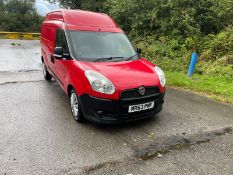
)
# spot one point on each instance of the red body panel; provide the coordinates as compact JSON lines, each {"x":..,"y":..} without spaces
{"x":124,"y":75}
{"x":85,"y":18}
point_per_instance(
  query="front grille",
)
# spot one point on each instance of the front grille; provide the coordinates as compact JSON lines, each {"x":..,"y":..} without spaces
{"x":134,"y":93}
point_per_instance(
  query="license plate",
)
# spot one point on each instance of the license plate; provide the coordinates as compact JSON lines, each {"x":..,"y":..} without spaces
{"x":141,"y":107}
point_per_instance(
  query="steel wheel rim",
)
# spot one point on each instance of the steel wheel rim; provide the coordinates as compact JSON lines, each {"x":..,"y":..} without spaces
{"x":74,"y":104}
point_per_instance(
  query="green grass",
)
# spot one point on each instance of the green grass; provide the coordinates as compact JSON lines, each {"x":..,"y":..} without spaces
{"x":215,"y":87}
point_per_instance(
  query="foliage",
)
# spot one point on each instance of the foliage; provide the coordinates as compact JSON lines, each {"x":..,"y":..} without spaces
{"x":19,"y":16}
{"x":167,"y":17}
{"x":216,"y":54}
{"x":92,"y":5}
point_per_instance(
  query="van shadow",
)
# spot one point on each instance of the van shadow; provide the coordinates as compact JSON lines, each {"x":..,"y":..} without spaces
{"x":126,"y":126}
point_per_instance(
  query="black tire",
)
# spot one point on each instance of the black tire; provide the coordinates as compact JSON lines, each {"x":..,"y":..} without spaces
{"x":75,"y":107}
{"x":46,"y":74}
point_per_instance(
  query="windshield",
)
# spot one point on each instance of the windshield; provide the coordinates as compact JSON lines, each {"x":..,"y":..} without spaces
{"x":101,"y":46}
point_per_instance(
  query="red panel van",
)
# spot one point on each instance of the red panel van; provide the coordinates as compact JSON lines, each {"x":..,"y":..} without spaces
{"x":93,"y":61}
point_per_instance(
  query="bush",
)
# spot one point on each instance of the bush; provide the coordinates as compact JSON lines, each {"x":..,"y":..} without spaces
{"x":174,"y":53}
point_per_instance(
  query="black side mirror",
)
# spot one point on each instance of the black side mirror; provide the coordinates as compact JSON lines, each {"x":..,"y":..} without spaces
{"x":139,"y":51}
{"x":58,"y":53}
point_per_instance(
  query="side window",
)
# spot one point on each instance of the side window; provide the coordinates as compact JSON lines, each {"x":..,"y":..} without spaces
{"x":61,"y":41}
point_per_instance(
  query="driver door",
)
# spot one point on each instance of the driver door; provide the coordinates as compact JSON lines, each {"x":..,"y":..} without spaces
{"x":60,"y":64}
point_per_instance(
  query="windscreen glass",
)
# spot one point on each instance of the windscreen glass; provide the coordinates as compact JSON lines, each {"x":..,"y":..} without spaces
{"x":104,"y":46}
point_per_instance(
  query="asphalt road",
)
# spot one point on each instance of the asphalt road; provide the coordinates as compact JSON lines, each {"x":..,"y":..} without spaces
{"x":19,"y":55}
{"x":192,"y":135}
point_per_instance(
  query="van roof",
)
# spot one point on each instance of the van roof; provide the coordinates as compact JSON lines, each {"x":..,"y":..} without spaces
{"x":82,"y":18}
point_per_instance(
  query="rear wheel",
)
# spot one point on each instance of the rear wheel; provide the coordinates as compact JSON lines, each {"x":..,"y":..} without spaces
{"x":46,"y":74}
{"x":76,"y":107}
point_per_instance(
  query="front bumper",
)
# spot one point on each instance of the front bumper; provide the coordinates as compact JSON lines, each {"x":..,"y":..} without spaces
{"x":106,"y":111}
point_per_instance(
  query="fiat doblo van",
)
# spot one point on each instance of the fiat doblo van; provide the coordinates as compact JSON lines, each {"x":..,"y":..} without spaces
{"x":104,"y":76}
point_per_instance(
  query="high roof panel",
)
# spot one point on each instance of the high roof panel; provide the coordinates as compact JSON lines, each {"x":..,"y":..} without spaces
{"x":82,"y":18}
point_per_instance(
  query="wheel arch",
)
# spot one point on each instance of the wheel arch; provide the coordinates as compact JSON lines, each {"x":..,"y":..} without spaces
{"x":69,"y":88}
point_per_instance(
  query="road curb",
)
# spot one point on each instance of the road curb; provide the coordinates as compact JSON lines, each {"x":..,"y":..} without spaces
{"x":19,"y":35}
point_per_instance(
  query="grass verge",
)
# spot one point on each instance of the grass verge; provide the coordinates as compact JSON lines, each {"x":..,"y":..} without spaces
{"x":217,"y":88}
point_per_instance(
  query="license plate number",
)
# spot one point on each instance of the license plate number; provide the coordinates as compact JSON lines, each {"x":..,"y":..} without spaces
{"x":141,"y":107}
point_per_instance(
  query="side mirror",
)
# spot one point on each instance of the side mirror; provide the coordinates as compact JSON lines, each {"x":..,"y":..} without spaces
{"x":58,"y":53}
{"x":139,"y":51}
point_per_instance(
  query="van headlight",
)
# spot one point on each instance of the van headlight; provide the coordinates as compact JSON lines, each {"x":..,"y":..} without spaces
{"x":99,"y":82}
{"x":161,"y":75}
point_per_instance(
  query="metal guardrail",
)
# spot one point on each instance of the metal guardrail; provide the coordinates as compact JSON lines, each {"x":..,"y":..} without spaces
{"x":19,"y":35}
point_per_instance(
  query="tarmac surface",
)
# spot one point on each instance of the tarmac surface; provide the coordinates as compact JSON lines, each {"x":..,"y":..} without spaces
{"x":192,"y":135}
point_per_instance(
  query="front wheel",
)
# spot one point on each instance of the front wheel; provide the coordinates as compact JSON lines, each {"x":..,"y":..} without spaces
{"x":76,"y":107}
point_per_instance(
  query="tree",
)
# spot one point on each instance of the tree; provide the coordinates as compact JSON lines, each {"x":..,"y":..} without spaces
{"x":19,"y":6}
{"x":155,"y":17}
{"x":19,"y":16}
{"x":1,"y":6}
{"x":73,"y":4}
{"x":183,"y":18}
{"x":94,"y":5}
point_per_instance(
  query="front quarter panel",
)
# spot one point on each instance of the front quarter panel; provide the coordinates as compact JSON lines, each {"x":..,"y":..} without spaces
{"x":76,"y":77}
{"x":162,"y":89}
